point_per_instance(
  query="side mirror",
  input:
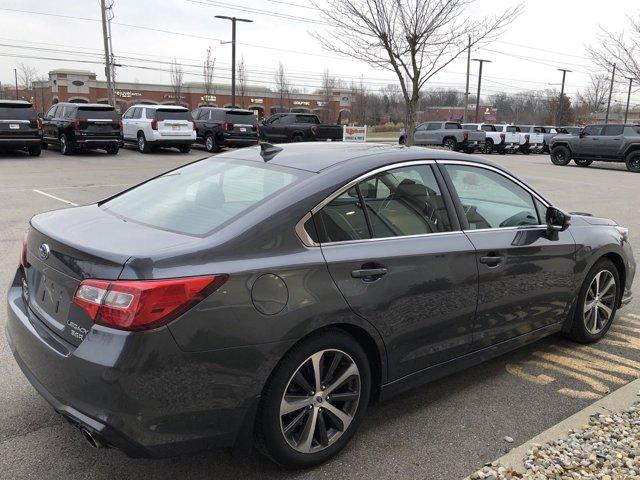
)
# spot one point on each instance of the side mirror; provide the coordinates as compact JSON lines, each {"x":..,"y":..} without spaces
{"x":557,"y":220}
{"x":581,"y":134}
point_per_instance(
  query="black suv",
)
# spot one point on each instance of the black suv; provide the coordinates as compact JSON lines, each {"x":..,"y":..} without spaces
{"x":75,"y":126}
{"x":609,"y":143}
{"x":20,"y":127}
{"x":225,"y":127}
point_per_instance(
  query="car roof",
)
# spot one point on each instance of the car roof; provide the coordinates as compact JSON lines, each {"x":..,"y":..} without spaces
{"x":85,"y":105}
{"x":155,"y":106}
{"x":227,"y":109}
{"x":14,"y":102}
{"x":318,"y":156}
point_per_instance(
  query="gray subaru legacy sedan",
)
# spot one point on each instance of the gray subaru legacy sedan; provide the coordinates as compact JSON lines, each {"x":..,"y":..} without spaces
{"x":267,"y":296}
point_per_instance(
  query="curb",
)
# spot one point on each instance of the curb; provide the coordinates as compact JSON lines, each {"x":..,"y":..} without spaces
{"x":616,"y":401}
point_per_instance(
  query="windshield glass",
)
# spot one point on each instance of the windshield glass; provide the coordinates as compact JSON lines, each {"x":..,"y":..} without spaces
{"x":200,"y":197}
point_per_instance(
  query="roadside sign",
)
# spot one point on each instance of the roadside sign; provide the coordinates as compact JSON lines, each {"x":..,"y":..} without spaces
{"x":354,"y":134}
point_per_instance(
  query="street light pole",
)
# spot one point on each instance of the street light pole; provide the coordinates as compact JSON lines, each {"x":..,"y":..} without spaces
{"x":233,"y":52}
{"x":15,"y":73}
{"x":626,"y":112}
{"x":466,"y":90}
{"x":481,"y":61}
{"x":564,"y":74}
{"x":613,"y":77}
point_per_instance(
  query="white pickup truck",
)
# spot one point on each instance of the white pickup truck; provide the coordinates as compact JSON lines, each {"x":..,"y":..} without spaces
{"x":499,"y":139}
{"x":532,"y":139}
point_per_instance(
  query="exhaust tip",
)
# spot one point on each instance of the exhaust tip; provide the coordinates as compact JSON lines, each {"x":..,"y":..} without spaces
{"x":91,"y":439}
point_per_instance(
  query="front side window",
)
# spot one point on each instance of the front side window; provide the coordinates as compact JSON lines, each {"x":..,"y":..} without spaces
{"x":512,"y":129}
{"x":488,"y":128}
{"x":399,"y":202}
{"x":452,"y":126}
{"x":593,"y":130}
{"x":490,"y":200}
{"x":421,"y":127}
{"x":198,"y":198}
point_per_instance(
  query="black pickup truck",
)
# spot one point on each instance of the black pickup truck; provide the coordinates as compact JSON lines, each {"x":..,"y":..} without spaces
{"x":609,"y":143}
{"x":298,"y":127}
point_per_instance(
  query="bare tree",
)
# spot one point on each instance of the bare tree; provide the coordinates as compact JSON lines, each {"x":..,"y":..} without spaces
{"x":415,"y":39}
{"x":282,"y":85}
{"x":208,"y":70}
{"x":328,"y":86}
{"x":595,"y":95}
{"x":26,"y":76}
{"x":621,"y":47}
{"x":242,"y":80}
{"x":176,"y":81}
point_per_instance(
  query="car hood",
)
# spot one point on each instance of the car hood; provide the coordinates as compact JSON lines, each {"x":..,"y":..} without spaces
{"x":588,"y":219}
{"x":563,"y":136}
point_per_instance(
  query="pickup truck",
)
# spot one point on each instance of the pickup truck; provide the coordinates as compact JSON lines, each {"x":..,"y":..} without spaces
{"x":298,"y":127}
{"x":450,"y":135}
{"x":548,"y":132}
{"x":512,"y":135}
{"x":609,"y":143}
{"x":498,"y":139}
{"x":531,"y":140}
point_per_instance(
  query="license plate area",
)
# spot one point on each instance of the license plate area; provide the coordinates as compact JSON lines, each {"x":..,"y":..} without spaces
{"x":52,"y":299}
{"x":14,"y":126}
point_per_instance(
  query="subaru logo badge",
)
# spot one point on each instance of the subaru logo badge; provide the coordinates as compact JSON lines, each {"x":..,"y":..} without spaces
{"x":44,"y":251}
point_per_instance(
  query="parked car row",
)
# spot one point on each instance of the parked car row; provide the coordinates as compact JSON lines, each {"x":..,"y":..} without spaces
{"x":610,"y":143}
{"x":73,"y":127}
{"x":487,"y":138}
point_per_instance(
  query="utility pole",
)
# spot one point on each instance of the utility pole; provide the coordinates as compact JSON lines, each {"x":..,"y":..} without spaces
{"x":233,"y":52}
{"x":613,"y":77}
{"x":107,"y":53}
{"x":481,"y":61}
{"x":466,"y":90}
{"x":15,"y":74}
{"x":626,"y":112}
{"x":564,"y":74}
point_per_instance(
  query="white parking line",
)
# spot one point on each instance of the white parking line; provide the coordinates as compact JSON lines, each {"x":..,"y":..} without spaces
{"x":55,"y":198}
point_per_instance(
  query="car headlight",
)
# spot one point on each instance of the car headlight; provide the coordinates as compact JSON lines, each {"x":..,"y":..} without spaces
{"x":623,"y":231}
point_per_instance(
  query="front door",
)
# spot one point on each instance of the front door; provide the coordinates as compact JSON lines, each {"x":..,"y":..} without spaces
{"x":588,"y":145}
{"x":402,"y":263}
{"x":526,"y":274}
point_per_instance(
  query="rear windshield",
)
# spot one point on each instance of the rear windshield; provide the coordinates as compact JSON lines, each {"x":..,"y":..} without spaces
{"x":17,"y":112}
{"x":203,"y":196}
{"x":247,"y":118}
{"x":168,"y":114}
{"x":98,"y":113}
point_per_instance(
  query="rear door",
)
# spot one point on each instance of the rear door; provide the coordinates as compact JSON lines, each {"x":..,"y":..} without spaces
{"x":525,"y":274}
{"x":397,"y":255}
{"x":611,"y":141}
{"x":174,"y":122}
{"x":420,"y":135}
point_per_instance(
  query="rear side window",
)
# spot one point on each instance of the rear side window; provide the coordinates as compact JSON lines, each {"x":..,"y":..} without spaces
{"x":452,"y":126}
{"x":434,"y":126}
{"x":512,"y":129}
{"x":17,"y":112}
{"x":242,"y":118}
{"x":306,"y":119}
{"x":203,"y":196}
{"x":343,"y":219}
{"x":97,"y":113}
{"x":613,"y":130}
{"x":170,"y":114}
{"x":488,"y":128}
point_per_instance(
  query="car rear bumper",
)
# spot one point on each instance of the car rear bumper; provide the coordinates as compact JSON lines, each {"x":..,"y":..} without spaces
{"x":97,"y":142}
{"x":239,"y":141}
{"x":19,"y":142}
{"x":139,"y":392}
{"x":159,"y":138}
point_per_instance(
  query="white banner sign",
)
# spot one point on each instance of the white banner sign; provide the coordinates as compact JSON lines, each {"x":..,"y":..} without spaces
{"x":354,"y":134}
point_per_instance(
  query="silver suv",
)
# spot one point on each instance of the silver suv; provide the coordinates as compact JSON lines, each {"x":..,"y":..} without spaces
{"x":150,"y":126}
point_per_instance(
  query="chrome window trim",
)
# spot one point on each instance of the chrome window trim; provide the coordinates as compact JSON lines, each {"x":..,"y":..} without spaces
{"x":306,"y":239}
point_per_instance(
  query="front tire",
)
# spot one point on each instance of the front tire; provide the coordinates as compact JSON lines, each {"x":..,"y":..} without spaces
{"x":210,"y":144}
{"x":143,"y":145}
{"x":35,"y":151}
{"x":297,"y":138}
{"x":597,"y":303}
{"x":314,"y":400}
{"x":582,"y":163}
{"x":560,"y":156}
{"x":633,"y":162}
{"x":184,"y":148}
{"x":488,"y":147}
{"x":65,"y":146}
{"x":112,"y":149}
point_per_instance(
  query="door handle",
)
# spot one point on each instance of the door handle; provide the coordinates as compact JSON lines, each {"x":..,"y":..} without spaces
{"x":492,"y":260}
{"x":369,"y":274}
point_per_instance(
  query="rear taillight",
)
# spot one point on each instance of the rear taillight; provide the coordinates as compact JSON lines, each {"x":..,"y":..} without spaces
{"x":143,"y":304}
{"x":120,"y":125}
{"x":154,"y":124}
{"x":75,"y":124}
{"x":193,"y":124}
{"x":225,"y":126}
{"x":465,"y":136}
{"x":23,"y":253}
{"x":39,"y":124}
{"x":503,"y":136}
{"x":314,"y":130}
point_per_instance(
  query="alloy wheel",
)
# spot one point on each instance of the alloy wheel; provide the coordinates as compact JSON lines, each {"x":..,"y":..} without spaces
{"x":63,"y":145}
{"x":320,"y":401}
{"x":209,"y":143}
{"x":599,"y":302}
{"x":141,"y":143}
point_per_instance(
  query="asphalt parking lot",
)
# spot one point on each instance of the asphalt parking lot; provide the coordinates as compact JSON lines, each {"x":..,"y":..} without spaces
{"x":445,"y":430}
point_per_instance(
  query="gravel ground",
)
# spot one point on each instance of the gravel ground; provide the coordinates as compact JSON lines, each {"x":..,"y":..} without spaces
{"x":608,"y":448}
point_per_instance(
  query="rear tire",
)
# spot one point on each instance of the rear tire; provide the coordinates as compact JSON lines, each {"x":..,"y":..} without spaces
{"x":402,"y":140}
{"x":582,"y":163}
{"x":143,"y":145}
{"x":633,"y":162}
{"x":560,"y":155}
{"x":210,"y":143}
{"x":328,"y":436}
{"x":449,"y":144}
{"x":65,"y":147}
{"x":35,"y":150}
{"x":525,"y":151}
{"x":44,"y":145}
{"x":488,"y":147}
{"x":184,"y":148}
{"x":596,"y":299}
{"x":297,"y":138}
{"x":112,"y":149}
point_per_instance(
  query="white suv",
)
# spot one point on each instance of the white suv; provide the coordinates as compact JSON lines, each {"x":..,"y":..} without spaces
{"x":151,"y":126}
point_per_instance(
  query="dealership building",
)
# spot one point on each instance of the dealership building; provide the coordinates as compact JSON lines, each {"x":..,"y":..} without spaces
{"x":80,"y":86}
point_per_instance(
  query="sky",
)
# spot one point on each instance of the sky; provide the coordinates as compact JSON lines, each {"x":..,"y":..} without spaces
{"x":548,"y":35}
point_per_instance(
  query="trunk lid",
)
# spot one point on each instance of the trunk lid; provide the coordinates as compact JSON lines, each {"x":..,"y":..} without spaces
{"x":18,"y":120}
{"x":98,"y":121}
{"x":174,"y":122}
{"x":67,"y":246}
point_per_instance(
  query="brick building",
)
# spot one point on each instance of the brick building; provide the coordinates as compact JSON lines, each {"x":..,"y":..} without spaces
{"x":82,"y":86}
